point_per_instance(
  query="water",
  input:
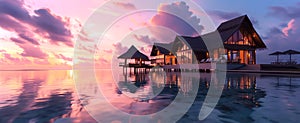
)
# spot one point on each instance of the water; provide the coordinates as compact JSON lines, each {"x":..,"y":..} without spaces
{"x":51,"y":96}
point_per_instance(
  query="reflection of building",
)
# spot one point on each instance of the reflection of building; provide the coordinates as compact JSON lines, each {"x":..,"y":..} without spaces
{"x":239,"y":38}
{"x":240,"y":95}
{"x":240,"y":81}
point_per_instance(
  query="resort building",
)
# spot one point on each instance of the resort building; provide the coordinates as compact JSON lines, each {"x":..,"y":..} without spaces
{"x":234,"y":42}
{"x":239,"y":38}
{"x":162,"y":55}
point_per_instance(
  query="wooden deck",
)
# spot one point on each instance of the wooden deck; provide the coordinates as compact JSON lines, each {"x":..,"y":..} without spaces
{"x":136,"y":65}
{"x":191,"y":67}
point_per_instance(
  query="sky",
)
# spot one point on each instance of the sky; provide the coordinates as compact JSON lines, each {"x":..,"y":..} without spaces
{"x":56,"y":34}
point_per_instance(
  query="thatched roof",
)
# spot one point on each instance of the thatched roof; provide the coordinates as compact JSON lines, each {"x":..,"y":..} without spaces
{"x":276,"y":53}
{"x":133,"y":53}
{"x":291,"y":52}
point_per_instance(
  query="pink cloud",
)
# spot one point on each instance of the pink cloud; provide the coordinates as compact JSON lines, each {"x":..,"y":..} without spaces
{"x":61,"y":56}
{"x":119,"y":48}
{"x":15,"y":17}
{"x":128,"y":6}
{"x":109,"y":51}
{"x":88,"y":48}
{"x":145,"y":39}
{"x":8,"y":59}
{"x":146,"y":50}
{"x":41,"y":61}
{"x":30,"y":50}
{"x":289,"y":27}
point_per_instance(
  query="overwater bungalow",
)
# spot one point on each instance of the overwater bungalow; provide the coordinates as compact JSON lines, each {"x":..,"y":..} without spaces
{"x":240,"y":42}
{"x":139,"y":60}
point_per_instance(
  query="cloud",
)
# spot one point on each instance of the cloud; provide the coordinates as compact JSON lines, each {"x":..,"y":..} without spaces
{"x":146,"y":49}
{"x":27,"y":38}
{"x":30,"y":50}
{"x":222,"y":15}
{"x":119,"y":48}
{"x":41,"y":61}
{"x":15,"y":9}
{"x":289,"y":27}
{"x":88,"y":48}
{"x":17,"y":40}
{"x":61,"y":56}
{"x":145,"y":39}
{"x":109,"y":51}
{"x":128,"y":6}
{"x":8,"y":60}
{"x":180,"y":11}
{"x":281,"y":39}
{"x":53,"y":27}
{"x":102,"y":61}
{"x":16,"y":18}
{"x":285,"y":13}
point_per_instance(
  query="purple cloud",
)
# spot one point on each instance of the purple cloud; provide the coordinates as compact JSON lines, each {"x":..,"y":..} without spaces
{"x":180,"y":10}
{"x":15,"y":9}
{"x":15,"y":17}
{"x":31,"y":40}
{"x":17,"y":40}
{"x":285,"y":13}
{"x":30,"y":50}
{"x":53,"y":25}
{"x":281,"y":39}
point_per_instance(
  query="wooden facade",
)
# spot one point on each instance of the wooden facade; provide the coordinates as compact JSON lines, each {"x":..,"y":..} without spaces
{"x":240,"y":41}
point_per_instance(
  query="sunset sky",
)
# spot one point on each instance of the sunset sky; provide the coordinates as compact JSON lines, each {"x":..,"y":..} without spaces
{"x":41,"y":34}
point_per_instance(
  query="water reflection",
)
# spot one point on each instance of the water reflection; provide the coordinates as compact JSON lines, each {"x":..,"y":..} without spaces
{"x":39,"y":96}
{"x":240,"y":93}
{"x":50,"y":96}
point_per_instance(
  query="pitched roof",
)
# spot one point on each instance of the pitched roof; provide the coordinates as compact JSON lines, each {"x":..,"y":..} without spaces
{"x":209,"y":40}
{"x":133,"y":53}
{"x":163,"y":48}
{"x":195,"y":43}
{"x":203,"y":42}
{"x":223,"y":33}
{"x":228,"y":28}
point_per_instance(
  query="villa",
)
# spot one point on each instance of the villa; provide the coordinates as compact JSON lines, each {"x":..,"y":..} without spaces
{"x":240,"y":42}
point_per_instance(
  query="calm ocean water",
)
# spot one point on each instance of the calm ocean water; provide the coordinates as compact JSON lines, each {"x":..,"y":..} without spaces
{"x":51,"y":96}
